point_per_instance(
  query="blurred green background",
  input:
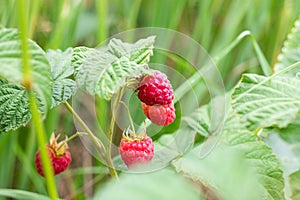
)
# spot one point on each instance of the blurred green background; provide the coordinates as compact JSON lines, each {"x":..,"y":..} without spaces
{"x":59,"y":24}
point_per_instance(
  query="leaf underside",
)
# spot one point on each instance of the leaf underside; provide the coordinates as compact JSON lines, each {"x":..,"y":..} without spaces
{"x":104,"y":71}
{"x":62,"y":70}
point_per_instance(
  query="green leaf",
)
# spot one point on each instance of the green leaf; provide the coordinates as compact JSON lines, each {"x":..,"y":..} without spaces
{"x":287,"y":154}
{"x":104,"y":71}
{"x":11,"y":65}
{"x":61,"y":69}
{"x":262,"y":102}
{"x":78,"y":58}
{"x":20,"y":194}
{"x":253,"y":153}
{"x":208,"y":119}
{"x":259,"y":155}
{"x":63,"y":90}
{"x":202,"y":126}
{"x":295,"y":185}
{"x":163,"y":184}
{"x":60,"y":63}
{"x":221,"y":172}
{"x":290,"y":52}
{"x":14,"y":107}
{"x":290,"y":134}
{"x":286,"y":146}
{"x":138,"y":52}
{"x":179,"y":141}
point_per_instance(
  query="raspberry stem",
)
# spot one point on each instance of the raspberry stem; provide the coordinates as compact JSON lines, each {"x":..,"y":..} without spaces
{"x":96,"y":141}
{"x":68,"y":139}
{"x":111,"y":129}
{"x":129,"y":116}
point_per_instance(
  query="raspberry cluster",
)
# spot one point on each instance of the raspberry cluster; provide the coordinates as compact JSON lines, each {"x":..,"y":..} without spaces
{"x":156,"y":93}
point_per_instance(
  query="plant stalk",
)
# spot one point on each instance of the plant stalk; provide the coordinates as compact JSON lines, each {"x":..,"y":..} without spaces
{"x":36,"y":116}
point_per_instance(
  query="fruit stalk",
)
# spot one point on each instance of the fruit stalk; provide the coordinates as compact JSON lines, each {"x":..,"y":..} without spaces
{"x":68,"y":139}
{"x":86,"y":128}
{"x":111,"y":130}
{"x":94,"y":139}
{"x":129,"y":116}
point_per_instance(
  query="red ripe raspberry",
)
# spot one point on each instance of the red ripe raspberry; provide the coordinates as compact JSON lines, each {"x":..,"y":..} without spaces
{"x":156,"y":89}
{"x":138,"y":151}
{"x":59,"y":155}
{"x":161,"y":115}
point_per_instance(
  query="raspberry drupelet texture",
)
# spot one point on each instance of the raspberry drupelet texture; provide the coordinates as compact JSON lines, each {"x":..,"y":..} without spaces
{"x":59,"y":154}
{"x":136,"y":152}
{"x":161,"y":115}
{"x":59,"y":163}
{"x":156,"y":89}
